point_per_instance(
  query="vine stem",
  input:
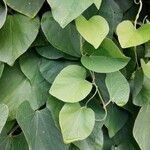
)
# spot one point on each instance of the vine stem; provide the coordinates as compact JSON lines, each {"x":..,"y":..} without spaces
{"x":135,"y":24}
{"x":139,"y":11}
{"x":97,"y":89}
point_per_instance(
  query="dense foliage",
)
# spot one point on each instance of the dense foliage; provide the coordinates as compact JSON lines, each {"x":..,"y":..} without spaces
{"x":74,"y":75}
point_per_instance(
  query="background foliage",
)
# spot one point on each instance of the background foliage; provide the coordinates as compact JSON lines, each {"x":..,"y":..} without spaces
{"x":74,"y":75}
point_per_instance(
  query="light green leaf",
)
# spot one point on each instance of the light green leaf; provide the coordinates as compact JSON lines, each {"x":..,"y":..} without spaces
{"x":18,"y":34}
{"x":118,"y":88}
{"x":3,"y":115}
{"x":40,"y":125}
{"x":129,"y":36}
{"x":15,"y":88}
{"x":93,"y":30}
{"x":67,"y":39}
{"x":3,"y":13}
{"x":27,"y":7}
{"x":70,"y":84}
{"x":142,"y":127}
{"x":65,"y":11}
{"x":107,"y":58}
{"x":97,"y":3}
{"x":146,"y":68}
{"x":76,"y":122}
{"x":115,"y":120}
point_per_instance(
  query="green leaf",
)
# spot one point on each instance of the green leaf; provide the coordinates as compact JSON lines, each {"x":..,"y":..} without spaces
{"x":39,"y":86}
{"x":93,"y":30}
{"x":113,"y":16}
{"x":129,"y":36}
{"x":142,"y":127}
{"x":147,"y":49}
{"x":118,"y":88}
{"x":107,"y":58}
{"x":49,"y":52}
{"x":1,"y":68}
{"x":115,"y":120}
{"x":67,"y":39}
{"x":9,"y":142}
{"x":54,"y":105}
{"x":39,"y":124}
{"x":50,"y":68}
{"x":94,"y":141}
{"x":66,"y":11}
{"x":3,"y":13}
{"x":15,"y":88}
{"x":143,"y":93}
{"x":71,"y":81}
{"x":76,"y":122}
{"x":27,"y":7}
{"x":146,"y":68}
{"x":3,"y":115}
{"x":18,"y":34}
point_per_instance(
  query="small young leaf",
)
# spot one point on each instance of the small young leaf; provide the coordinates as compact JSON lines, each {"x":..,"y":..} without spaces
{"x":70,"y":84}
{"x":129,"y":36}
{"x":76,"y":122}
{"x":93,"y":30}
{"x":118,"y":88}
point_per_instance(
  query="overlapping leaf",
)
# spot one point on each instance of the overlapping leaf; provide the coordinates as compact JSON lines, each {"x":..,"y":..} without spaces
{"x":76,"y":122}
{"x":70,"y":84}
{"x":17,"y":34}
{"x":107,"y":58}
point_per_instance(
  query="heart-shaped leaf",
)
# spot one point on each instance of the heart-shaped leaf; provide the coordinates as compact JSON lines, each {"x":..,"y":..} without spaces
{"x":3,"y":115}
{"x":17,"y":34}
{"x":146,"y":68}
{"x":93,"y":30}
{"x":76,"y":122}
{"x":129,"y":36}
{"x":107,"y":58}
{"x":118,"y":88}
{"x":3,"y":13}
{"x":18,"y":88}
{"x":70,"y":84}
{"x":40,"y":125}
{"x":27,"y":7}
{"x":65,"y":11}
{"x":114,"y":121}
{"x":66,"y":40}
